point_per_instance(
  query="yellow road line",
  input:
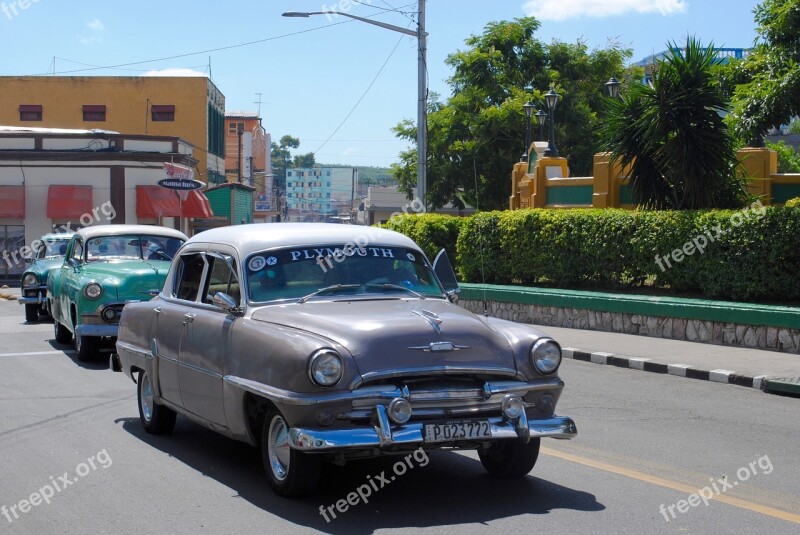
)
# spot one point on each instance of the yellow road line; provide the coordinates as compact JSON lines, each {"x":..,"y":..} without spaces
{"x":674,"y":485}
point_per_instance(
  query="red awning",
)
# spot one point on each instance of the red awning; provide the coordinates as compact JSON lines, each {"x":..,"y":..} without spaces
{"x":155,"y":201}
{"x":69,"y":202}
{"x":12,"y":201}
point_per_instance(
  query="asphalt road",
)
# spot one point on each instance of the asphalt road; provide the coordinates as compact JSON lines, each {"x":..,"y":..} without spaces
{"x":645,"y":441}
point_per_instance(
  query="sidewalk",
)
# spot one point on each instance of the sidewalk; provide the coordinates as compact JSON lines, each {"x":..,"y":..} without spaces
{"x":766,"y":370}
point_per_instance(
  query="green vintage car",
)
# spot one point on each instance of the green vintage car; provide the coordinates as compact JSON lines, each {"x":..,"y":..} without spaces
{"x":49,"y":253}
{"x":105,"y":267}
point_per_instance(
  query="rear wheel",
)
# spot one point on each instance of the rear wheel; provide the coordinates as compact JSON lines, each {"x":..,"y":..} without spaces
{"x":31,"y":313}
{"x":291,"y":473}
{"x":510,"y":458}
{"x":63,"y":336}
{"x":156,"y":419}
{"x":88,"y":347}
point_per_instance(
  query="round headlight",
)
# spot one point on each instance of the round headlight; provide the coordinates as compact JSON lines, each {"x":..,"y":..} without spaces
{"x":109,"y":314}
{"x":399,"y":410}
{"x":325,"y":367}
{"x":30,"y":279}
{"x":512,"y":406}
{"x":546,"y":356}
{"x":93,"y":290}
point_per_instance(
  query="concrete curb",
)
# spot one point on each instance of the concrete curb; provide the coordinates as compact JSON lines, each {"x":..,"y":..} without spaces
{"x":761,"y":382}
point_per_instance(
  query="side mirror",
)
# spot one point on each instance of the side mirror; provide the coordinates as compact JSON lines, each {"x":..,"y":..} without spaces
{"x":74,"y":264}
{"x":444,"y":270}
{"x":225,"y":302}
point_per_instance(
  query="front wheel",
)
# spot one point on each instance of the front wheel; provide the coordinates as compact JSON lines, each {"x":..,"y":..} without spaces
{"x":510,"y":458}
{"x":291,"y":473}
{"x":31,"y":313}
{"x":63,"y":336}
{"x":88,"y":347}
{"x":156,"y":419}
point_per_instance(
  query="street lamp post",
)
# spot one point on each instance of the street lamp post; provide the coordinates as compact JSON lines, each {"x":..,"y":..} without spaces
{"x":422,"y":83}
{"x":541,"y":118}
{"x":528,"y":107}
{"x":551,"y":99}
{"x":612,"y":86}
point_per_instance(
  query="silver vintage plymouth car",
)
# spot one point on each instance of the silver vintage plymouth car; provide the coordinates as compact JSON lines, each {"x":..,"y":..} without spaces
{"x":327,"y":343}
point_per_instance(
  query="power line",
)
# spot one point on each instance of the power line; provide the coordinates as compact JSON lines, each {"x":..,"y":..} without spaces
{"x":364,"y":94}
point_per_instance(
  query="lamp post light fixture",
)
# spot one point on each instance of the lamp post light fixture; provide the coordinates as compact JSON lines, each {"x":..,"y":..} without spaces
{"x":612,"y":86}
{"x":528,"y":107}
{"x":551,"y":99}
{"x":541,"y":119}
{"x":422,"y":82}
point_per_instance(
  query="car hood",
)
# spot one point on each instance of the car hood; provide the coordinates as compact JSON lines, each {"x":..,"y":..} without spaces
{"x":133,"y":279}
{"x":43,"y":266}
{"x":386,"y":334}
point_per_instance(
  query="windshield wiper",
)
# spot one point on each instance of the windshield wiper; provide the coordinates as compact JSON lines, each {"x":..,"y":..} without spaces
{"x":390,"y":286}
{"x":333,"y":288}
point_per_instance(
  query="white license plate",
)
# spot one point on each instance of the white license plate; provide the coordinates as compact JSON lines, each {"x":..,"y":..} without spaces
{"x":459,"y":430}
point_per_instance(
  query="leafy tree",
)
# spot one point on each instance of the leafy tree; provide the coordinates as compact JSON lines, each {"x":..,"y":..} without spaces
{"x":282,"y":159}
{"x":672,"y":135}
{"x":788,"y":158}
{"x":476,"y":135}
{"x":767,"y":83}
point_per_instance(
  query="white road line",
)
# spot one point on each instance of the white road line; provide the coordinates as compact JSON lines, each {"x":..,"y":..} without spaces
{"x":34,"y":353}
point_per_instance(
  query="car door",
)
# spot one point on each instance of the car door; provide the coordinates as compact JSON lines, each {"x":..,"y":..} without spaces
{"x":206,"y":339}
{"x":63,"y":286}
{"x":170,"y":322}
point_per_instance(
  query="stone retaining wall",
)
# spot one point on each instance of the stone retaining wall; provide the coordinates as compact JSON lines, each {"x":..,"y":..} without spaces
{"x":710,"y":332}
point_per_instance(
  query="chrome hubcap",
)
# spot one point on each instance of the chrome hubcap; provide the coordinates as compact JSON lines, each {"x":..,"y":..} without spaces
{"x":147,"y":397}
{"x":278,"y":448}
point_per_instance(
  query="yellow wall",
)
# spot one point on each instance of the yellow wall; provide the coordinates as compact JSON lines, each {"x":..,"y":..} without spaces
{"x":126,"y":100}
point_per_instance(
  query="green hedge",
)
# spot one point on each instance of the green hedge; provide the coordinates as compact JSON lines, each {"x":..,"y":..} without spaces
{"x":751,"y":254}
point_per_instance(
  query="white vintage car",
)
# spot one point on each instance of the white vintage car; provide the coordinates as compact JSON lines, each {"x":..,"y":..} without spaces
{"x":323,"y":342}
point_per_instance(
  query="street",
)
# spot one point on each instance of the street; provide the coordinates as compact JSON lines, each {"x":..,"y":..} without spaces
{"x":648,"y":447}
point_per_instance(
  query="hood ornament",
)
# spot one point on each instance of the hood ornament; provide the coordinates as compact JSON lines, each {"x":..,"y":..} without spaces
{"x":431,"y":317}
{"x":440,"y":347}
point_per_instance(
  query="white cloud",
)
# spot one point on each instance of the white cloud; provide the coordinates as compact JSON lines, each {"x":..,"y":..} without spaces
{"x":349,"y":150}
{"x":176,"y":73}
{"x":96,"y":25}
{"x":89,"y":40}
{"x":559,"y":10}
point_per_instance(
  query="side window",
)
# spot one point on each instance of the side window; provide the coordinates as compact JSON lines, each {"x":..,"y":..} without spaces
{"x":222,"y":279}
{"x":77,"y":251}
{"x":189,"y":275}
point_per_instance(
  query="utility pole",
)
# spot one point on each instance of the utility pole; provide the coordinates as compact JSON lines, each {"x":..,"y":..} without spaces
{"x":240,"y":132}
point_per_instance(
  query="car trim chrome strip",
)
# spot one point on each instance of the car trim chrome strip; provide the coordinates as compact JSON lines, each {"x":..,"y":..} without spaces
{"x":293,"y":398}
{"x":133,"y":349}
{"x":435,"y":370}
{"x":321,"y":440}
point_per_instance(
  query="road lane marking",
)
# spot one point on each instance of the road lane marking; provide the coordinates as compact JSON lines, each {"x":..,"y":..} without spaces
{"x":674,"y":485}
{"x":34,"y":353}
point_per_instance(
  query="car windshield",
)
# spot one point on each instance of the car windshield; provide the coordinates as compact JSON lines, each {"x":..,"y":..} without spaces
{"x":325,"y":271}
{"x":52,"y":248}
{"x":132,"y":247}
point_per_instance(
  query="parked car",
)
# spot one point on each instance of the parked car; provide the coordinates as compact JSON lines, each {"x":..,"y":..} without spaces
{"x":105,"y":267}
{"x":324,"y":342}
{"x":33,"y":283}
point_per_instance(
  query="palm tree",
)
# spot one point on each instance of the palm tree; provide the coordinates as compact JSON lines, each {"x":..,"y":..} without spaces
{"x":672,"y":137}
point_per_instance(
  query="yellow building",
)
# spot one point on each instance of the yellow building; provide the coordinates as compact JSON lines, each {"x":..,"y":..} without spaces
{"x":191,"y":108}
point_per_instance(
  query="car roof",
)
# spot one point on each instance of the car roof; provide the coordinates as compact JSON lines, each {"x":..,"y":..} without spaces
{"x":116,"y":230}
{"x":255,"y":237}
{"x":57,"y":236}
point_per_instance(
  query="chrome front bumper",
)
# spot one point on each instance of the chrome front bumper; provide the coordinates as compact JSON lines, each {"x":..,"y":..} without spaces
{"x":97,"y":330}
{"x":386,"y":435}
{"x":37,"y":299}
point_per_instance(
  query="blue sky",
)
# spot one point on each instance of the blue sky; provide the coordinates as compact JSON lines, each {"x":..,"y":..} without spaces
{"x":311,"y":80}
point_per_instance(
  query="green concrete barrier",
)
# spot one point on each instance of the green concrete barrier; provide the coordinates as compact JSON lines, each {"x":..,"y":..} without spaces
{"x":670,"y":307}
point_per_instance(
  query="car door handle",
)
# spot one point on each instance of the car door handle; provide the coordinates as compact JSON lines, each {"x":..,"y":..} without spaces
{"x":157,"y":310}
{"x":188,"y":317}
